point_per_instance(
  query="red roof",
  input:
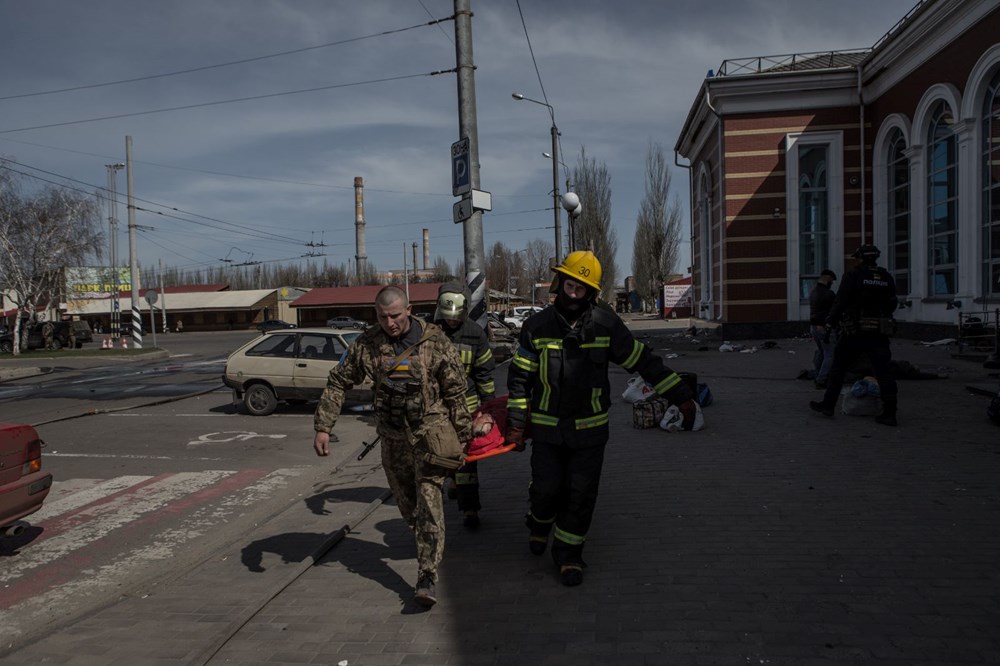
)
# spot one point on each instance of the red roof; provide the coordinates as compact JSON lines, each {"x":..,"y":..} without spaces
{"x":682,"y":281}
{"x":420,"y":292}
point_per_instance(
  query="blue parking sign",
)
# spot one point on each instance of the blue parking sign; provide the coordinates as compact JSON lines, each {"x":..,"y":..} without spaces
{"x":461,"y":168}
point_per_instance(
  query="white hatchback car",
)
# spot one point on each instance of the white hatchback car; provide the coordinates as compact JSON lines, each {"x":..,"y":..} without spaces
{"x":286,"y":364}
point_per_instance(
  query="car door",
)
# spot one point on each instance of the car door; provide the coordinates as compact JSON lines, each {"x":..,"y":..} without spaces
{"x":318,"y":354}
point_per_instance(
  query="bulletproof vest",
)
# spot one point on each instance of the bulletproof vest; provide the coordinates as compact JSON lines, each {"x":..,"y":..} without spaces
{"x":875,"y":291}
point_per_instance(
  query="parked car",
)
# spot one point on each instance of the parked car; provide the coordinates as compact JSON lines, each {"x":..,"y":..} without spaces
{"x":23,"y":484}
{"x":346,"y":322}
{"x":520,"y":313}
{"x":289,"y":365}
{"x":32,"y":338}
{"x":273,"y":325}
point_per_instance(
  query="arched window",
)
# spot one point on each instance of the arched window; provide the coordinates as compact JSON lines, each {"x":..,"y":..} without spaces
{"x":942,"y":203}
{"x":814,"y":226}
{"x":705,"y":219}
{"x":898,"y":214}
{"x":991,"y":189}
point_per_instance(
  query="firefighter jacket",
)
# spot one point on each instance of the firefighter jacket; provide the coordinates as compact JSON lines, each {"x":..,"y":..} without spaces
{"x":477,"y":357}
{"x":559,"y":374}
{"x":865,"y":302}
{"x":425,"y":391}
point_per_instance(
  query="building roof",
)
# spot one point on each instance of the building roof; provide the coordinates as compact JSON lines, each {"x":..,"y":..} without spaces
{"x":794,"y":62}
{"x":212,"y":300}
{"x":178,"y":289}
{"x":420,"y":292}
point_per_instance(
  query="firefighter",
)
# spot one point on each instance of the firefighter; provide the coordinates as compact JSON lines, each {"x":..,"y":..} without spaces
{"x":559,"y":375}
{"x":863,"y":312}
{"x":477,"y":357}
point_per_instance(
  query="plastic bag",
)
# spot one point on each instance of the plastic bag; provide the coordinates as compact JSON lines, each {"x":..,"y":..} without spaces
{"x":673,"y":420}
{"x":637,"y":390}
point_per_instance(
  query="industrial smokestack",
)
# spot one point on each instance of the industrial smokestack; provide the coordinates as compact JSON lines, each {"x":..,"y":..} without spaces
{"x":414,"y":258}
{"x":427,"y":249}
{"x":361,"y":255}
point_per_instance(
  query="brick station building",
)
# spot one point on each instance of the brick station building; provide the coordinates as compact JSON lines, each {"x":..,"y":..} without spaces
{"x":795,"y":160}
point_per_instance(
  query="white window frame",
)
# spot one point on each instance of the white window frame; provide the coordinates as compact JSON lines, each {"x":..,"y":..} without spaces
{"x":797,"y":309}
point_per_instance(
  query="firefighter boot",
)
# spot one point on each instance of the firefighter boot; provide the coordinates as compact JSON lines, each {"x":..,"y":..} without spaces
{"x":569,"y":559}
{"x":888,"y":415}
{"x":538,"y":537}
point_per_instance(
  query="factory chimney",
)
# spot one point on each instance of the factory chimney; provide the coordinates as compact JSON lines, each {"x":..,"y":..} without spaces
{"x":360,"y":256}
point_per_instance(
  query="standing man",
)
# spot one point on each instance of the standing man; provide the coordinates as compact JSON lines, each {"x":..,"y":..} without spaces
{"x":863,"y":310}
{"x":560,"y":374}
{"x":420,"y":411}
{"x":477,"y":359}
{"x":820,"y":301}
{"x":48,"y":331}
{"x":71,"y":333}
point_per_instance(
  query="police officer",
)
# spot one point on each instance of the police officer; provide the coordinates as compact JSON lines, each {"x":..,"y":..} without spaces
{"x":419,"y":386}
{"x":863,"y":311}
{"x":558,"y":381}
{"x":477,"y":358}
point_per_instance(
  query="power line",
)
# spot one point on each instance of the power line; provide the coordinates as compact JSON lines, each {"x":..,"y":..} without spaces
{"x":535,"y":62}
{"x":225,"y":64}
{"x":227,"y":101}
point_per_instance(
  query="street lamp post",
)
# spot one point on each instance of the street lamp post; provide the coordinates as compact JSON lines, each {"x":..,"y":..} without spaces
{"x":555,"y":170}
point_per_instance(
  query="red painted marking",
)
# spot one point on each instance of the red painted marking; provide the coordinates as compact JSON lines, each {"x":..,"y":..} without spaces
{"x":41,"y":579}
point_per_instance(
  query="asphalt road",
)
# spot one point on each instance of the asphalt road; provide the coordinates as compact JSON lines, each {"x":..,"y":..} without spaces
{"x":155,"y":469}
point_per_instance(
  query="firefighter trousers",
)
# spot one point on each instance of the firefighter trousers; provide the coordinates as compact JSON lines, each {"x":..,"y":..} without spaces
{"x":467,"y":487}
{"x":564,"y":484}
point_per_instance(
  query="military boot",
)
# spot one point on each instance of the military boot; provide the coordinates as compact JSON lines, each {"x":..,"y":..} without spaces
{"x":822,"y":407}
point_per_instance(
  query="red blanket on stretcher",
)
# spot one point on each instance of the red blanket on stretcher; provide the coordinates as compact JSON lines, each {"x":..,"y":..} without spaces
{"x":491,"y":420}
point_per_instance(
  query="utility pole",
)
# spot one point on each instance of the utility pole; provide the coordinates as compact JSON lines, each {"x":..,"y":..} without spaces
{"x":133,"y":258}
{"x":472,"y":229}
{"x":116,"y":319}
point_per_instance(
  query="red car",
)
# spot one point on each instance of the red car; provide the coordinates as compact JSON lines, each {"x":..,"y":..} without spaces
{"x":23,"y":484}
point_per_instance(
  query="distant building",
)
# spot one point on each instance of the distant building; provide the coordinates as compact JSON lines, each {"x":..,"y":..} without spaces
{"x":798,"y":159}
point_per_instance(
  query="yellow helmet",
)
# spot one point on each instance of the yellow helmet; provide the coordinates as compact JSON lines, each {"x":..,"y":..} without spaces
{"x":583,"y":267}
{"x":450,"y":306}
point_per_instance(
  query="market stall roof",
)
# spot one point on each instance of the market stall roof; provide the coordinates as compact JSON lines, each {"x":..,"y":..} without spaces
{"x":188,"y":301}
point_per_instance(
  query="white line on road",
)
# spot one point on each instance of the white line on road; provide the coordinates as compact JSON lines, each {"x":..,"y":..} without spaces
{"x":115,"y":455}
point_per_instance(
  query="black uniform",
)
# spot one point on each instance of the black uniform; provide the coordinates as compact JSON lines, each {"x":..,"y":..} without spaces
{"x":863,"y":311}
{"x":477,"y":358}
{"x":560,"y":374}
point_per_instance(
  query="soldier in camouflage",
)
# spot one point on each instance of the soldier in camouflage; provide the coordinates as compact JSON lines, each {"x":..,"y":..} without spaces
{"x":419,"y":384}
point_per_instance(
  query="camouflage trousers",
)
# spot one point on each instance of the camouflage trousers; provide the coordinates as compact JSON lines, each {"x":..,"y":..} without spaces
{"x":417,"y":487}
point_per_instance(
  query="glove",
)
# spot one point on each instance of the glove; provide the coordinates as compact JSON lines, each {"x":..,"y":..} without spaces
{"x":689,"y":410}
{"x":515,"y":436}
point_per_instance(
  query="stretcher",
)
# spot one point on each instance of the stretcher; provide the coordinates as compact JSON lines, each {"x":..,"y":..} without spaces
{"x":493,"y":442}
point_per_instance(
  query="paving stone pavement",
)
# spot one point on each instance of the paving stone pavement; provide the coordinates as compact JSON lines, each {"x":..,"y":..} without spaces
{"x":774,"y":536}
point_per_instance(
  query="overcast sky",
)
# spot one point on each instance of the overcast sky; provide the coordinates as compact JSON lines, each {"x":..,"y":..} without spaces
{"x":279,"y":171}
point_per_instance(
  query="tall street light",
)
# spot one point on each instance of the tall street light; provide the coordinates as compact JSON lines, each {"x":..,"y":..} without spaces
{"x":555,"y":170}
{"x":113,"y":222}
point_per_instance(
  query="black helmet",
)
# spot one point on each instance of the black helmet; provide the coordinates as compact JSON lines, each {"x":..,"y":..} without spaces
{"x":867,"y":251}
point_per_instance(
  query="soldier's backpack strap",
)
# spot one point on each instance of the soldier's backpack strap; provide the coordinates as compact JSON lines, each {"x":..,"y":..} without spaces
{"x":405,"y":354}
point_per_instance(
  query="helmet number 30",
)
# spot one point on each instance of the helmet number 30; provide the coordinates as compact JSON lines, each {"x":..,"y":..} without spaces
{"x":584,"y":271}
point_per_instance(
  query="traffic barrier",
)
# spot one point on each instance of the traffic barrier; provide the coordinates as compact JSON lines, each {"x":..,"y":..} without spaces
{"x":124,"y":342}
{"x":105,"y":344}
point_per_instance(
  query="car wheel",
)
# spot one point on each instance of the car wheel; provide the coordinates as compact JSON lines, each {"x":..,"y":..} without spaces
{"x":56,"y":344}
{"x":6,"y":347}
{"x":259,"y":400}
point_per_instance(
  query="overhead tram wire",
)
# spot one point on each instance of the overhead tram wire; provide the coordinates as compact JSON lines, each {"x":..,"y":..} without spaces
{"x":227,"y":64}
{"x":251,"y":98}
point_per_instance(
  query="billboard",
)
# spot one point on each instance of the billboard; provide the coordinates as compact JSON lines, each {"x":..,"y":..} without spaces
{"x":88,"y":282}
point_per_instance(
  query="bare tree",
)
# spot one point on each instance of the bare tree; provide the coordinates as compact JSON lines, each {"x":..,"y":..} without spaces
{"x":441,"y":271}
{"x":657,"y":229}
{"x":41,"y":234}
{"x":593,"y":226}
{"x":537,"y":256}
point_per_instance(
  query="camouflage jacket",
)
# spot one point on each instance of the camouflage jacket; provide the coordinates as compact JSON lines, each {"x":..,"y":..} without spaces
{"x":425,"y":391}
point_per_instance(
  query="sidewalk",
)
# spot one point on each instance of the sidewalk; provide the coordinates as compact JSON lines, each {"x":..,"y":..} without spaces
{"x":774,"y":536}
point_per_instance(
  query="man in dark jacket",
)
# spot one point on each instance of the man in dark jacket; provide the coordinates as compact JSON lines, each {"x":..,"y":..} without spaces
{"x":477,"y":358}
{"x":559,"y":375}
{"x":820,"y":301}
{"x":863,"y":311}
